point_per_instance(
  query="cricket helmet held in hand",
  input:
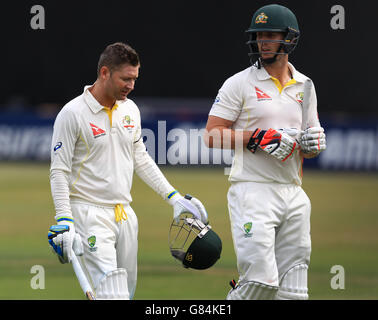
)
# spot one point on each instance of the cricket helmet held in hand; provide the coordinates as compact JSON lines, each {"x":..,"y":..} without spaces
{"x":194,"y":243}
{"x":273,"y":18}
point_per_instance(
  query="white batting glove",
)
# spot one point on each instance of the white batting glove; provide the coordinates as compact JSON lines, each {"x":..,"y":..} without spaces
{"x":62,"y":238}
{"x":277,"y":143}
{"x":187,"y":204}
{"x":292,"y":132}
{"x":313,"y":140}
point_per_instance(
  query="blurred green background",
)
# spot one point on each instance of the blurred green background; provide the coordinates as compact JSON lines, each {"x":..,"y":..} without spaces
{"x":344,"y":232}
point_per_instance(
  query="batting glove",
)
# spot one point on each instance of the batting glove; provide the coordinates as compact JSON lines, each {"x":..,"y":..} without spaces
{"x":313,"y":140}
{"x":275,"y":142}
{"x":63,"y":239}
{"x":187,"y":204}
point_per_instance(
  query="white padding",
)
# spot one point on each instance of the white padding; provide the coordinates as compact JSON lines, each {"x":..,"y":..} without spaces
{"x":252,"y":290}
{"x":294,"y":284}
{"x":113,"y":286}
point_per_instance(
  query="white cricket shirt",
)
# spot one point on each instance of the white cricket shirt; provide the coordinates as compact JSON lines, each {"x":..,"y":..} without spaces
{"x":99,"y":149}
{"x":253,"y":99}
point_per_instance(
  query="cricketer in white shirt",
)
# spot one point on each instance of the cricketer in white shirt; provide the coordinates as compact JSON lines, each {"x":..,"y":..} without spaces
{"x":267,"y":113}
{"x":96,"y":148}
{"x":253,"y":99}
{"x":268,"y":209}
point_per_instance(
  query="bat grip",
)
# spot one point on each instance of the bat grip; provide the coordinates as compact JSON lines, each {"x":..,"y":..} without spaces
{"x":306,"y":104}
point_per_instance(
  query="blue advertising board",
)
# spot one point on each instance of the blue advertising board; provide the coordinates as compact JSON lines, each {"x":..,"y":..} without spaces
{"x":173,"y":136}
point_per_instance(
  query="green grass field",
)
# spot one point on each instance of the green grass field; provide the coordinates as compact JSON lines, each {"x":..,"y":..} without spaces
{"x":344,"y":232}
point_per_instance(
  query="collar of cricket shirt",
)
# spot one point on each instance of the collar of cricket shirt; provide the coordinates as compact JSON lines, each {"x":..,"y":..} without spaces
{"x":92,"y":103}
{"x":297,"y":76}
{"x":262,"y":74}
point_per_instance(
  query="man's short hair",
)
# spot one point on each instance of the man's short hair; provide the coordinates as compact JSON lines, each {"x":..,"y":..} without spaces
{"x":117,"y":54}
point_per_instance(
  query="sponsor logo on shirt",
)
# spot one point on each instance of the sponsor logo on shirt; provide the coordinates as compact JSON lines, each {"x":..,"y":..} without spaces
{"x":97,"y":132}
{"x":58,"y":146}
{"x":261,"y":95}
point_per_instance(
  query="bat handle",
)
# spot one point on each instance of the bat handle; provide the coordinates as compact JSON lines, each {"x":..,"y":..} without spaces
{"x":306,"y":104}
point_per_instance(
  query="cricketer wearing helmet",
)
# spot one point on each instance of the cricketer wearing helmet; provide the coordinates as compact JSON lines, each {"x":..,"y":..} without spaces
{"x":97,"y":146}
{"x":266,"y":114}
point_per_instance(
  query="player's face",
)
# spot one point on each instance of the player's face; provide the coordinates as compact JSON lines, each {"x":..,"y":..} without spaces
{"x":268,"y":49}
{"x":122,"y":81}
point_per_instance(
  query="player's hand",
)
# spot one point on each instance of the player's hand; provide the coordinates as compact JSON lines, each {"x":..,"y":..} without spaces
{"x":275,"y":142}
{"x":62,"y":238}
{"x":292,"y":132}
{"x":188,"y":204}
{"x":313,"y":140}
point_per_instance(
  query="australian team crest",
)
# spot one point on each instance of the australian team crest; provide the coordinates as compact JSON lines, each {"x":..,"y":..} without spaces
{"x":127,"y":122}
{"x":92,"y":243}
{"x":189,"y":257}
{"x":299,"y":96}
{"x":261,"y":18}
{"x":247,"y":229}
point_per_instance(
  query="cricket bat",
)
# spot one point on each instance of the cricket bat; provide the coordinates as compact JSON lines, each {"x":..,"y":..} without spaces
{"x":83,"y":281}
{"x":306,"y":104}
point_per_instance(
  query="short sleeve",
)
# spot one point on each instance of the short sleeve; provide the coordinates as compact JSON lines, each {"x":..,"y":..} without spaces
{"x":228,"y":103}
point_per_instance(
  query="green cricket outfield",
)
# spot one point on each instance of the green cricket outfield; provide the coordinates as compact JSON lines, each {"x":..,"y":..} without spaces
{"x":344,"y":233}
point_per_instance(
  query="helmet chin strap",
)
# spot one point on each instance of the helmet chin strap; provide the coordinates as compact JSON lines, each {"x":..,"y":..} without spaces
{"x":268,"y":61}
{"x":261,"y":62}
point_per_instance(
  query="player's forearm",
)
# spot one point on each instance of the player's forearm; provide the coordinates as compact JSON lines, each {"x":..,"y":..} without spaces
{"x":60,"y":192}
{"x":150,"y":173}
{"x":226,"y":138}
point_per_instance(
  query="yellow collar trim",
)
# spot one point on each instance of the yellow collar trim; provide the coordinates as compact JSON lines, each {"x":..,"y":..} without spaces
{"x":279,"y":86}
{"x":110,"y":112}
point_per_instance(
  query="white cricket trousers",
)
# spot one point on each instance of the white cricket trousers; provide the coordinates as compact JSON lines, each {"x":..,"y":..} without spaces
{"x":270,"y":225}
{"x":108,"y":245}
